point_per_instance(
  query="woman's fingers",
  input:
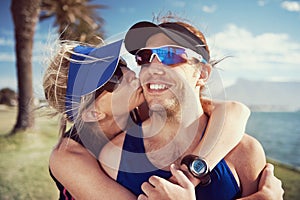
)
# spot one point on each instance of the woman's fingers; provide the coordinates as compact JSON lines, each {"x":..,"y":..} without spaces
{"x":181,"y":178}
{"x":142,"y":197}
{"x":147,"y":188}
{"x":192,"y":179}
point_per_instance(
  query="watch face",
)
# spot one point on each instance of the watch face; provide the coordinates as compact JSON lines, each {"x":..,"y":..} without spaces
{"x":198,"y":167}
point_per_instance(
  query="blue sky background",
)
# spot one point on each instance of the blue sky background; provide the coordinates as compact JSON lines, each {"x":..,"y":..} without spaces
{"x":263,"y":36}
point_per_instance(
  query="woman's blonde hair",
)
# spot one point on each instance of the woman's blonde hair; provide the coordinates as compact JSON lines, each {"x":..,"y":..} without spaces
{"x":55,"y":85}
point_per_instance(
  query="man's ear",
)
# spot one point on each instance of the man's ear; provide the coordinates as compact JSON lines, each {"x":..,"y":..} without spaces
{"x":92,"y":115}
{"x":205,"y":73}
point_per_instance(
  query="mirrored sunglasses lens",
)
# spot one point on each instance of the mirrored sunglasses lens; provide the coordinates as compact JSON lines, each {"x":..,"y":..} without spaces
{"x":143,"y":56}
{"x":171,"y":55}
{"x":168,"y":55}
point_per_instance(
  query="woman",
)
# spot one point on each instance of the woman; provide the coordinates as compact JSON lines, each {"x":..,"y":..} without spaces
{"x":73,"y":159}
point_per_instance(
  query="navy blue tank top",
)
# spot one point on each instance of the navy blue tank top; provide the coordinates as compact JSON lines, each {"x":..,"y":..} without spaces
{"x":135,"y":168}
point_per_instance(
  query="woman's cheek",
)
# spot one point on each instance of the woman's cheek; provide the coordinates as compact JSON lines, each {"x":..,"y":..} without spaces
{"x":121,"y":97}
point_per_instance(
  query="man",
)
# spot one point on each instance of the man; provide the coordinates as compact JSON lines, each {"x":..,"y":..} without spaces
{"x":171,"y":76}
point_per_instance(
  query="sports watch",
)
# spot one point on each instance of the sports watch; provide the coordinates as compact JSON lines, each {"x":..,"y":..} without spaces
{"x":198,"y":168}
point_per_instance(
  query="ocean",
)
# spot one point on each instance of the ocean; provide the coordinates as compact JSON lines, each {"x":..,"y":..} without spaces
{"x":279,"y":134}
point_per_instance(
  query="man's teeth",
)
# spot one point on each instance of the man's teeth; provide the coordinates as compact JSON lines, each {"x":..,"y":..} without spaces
{"x":158,"y":86}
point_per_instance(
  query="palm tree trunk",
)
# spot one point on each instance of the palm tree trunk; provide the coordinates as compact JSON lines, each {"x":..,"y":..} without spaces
{"x":25,"y":16}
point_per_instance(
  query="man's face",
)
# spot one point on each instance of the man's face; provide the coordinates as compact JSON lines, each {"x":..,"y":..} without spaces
{"x":164,"y":86}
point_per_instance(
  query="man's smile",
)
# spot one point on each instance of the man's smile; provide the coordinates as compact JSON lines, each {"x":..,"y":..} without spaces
{"x":157,"y":87}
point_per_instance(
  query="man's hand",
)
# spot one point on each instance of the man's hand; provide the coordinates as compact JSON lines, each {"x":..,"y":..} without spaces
{"x":159,"y":188}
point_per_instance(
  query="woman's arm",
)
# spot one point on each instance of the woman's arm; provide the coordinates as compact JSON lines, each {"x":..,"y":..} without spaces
{"x":225,"y":129}
{"x":159,"y":188}
{"x":269,"y":188}
{"x":79,"y":172}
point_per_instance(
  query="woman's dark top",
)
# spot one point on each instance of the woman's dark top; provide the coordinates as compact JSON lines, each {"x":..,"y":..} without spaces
{"x":93,"y":142}
{"x":63,"y":192}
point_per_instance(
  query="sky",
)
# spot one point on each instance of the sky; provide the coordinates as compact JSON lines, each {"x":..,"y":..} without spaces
{"x":262,"y":37}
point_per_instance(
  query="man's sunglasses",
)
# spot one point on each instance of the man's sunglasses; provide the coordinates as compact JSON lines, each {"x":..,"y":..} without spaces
{"x":168,"y":55}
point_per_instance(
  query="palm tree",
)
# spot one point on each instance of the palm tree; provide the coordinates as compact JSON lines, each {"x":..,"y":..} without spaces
{"x":25,"y":16}
{"x":75,"y":19}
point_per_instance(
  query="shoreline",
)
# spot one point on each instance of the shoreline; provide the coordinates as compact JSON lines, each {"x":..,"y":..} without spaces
{"x":283,"y":164}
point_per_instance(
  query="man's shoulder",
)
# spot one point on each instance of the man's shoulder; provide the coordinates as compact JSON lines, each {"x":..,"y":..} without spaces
{"x":248,"y":159}
{"x":249,"y":142}
{"x":113,"y":148}
{"x":249,"y":149}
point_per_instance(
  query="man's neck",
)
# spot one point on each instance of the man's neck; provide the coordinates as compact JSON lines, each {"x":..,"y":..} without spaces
{"x":159,"y":129}
{"x":171,"y":139}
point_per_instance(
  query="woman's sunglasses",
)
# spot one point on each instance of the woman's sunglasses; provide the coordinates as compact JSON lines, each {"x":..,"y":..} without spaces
{"x":113,"y":82}
{"x":168,"y":55}
{"x":110,"y":86}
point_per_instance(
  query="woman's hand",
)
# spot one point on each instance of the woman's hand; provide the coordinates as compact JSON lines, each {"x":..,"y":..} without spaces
{"x":159,"y":188}
{"x":270,"y":184}
{"x":269,"y":187}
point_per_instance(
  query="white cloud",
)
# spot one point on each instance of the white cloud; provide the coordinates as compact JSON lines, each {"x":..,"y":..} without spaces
{"x":6,"y":42}
{"x":278,"y":79}
{"x":8,"y":82}
{"x":7,"y":32}
{"x":178,"y":4}
{"x":42,"y":44}
{"x":256,"y":56}
{"x":7,"y":57}
{"x":293,"y":6}
{"x":209,"y":9}
{"x":11,"y":82}
{"x":40,"y":54}
{"x":262,"y":2}
{"x":128,"y":10}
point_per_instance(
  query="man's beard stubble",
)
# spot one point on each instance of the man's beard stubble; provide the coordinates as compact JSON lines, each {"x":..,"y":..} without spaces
{"x":169,"y":110}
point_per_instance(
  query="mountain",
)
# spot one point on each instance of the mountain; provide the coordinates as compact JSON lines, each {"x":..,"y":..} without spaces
{"x":266,"y":95}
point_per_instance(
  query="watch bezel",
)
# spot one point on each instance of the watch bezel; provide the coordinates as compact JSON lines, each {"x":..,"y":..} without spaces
{"x":204,"y":177}
{"x":199,"y":174}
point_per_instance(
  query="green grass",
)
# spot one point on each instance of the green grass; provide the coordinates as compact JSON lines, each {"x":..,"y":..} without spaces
{"x":24,"y":161}
{"x":290,"y":178}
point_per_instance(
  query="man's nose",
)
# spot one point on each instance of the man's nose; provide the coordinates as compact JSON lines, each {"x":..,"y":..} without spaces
{"x":156,"y":67}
